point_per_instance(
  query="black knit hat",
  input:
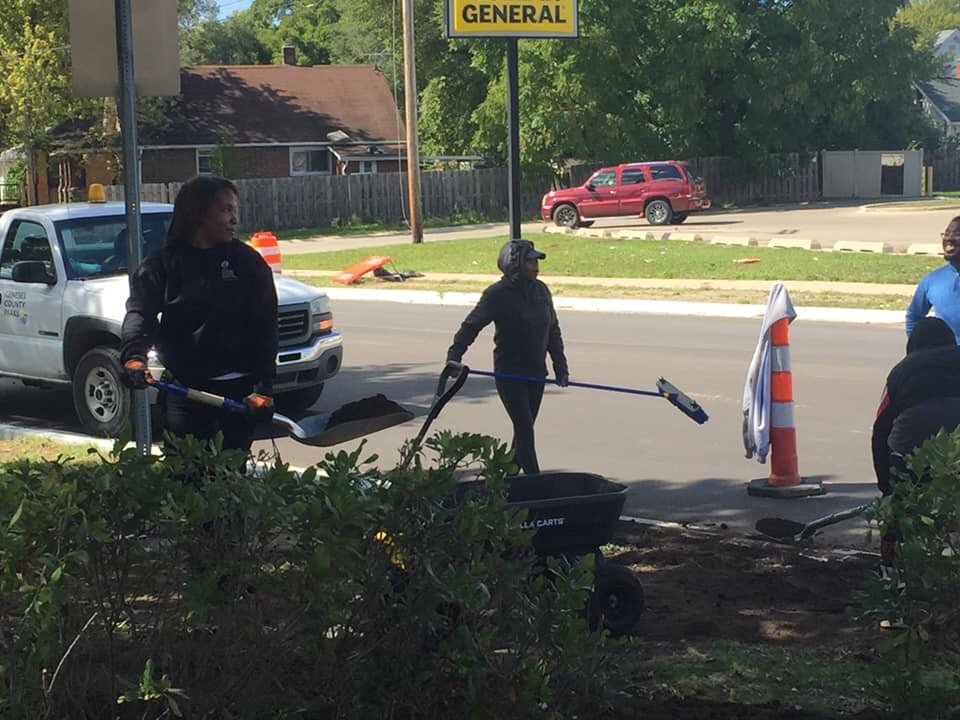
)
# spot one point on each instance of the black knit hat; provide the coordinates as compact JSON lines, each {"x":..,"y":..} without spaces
{"x":930,"y":332}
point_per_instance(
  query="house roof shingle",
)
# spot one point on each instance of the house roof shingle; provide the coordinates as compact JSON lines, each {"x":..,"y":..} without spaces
{"x":943,"y":36}
{"x":945,"y":94}
{"x":254,"y":104}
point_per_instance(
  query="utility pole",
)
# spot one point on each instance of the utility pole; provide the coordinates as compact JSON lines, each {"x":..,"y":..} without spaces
{"x":410,"y":107}
{"x":513,"y":134}
{"x":127,"y":106}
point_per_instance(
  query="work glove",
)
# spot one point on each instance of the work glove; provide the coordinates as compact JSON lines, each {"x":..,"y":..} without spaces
{"x":563,"y":380}
{"x":136,"y":375}
{"x":455,"y":368}
{"x":260,"y":406}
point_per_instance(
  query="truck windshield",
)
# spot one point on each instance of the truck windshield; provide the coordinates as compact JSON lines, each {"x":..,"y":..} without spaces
{"x":97,"y":246}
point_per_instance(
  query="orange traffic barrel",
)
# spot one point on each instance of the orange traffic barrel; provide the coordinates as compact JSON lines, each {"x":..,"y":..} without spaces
{"x":266,"y":244}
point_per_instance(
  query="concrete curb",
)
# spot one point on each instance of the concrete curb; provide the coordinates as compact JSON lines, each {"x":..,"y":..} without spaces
{"x":904,"y":206}
{"x":861,"y":246}
{"x":925,"y":249}
{"x":793,"y":243}
{"x":628,"y":307}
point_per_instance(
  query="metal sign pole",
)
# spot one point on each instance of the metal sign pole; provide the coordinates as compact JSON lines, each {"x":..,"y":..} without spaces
{"x":513,"y":135}
{"x":127,"y":107}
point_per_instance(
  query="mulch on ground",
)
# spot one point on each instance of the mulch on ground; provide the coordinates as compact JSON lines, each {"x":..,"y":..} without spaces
{"x":705,"y":586}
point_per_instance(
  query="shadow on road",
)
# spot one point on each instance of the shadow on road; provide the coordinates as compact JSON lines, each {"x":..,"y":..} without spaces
{"x":410,"y":385}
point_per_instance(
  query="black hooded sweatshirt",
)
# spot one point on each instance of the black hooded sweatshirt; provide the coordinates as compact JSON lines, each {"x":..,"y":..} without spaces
{"x":526,"y":325}
{"x":217,"y":311}
{"x":922,"y":396}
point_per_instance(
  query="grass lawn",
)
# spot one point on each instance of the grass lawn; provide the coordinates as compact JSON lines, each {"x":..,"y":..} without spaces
{"x":714,"y":295}
{"x":31,"y":448}
{"x":604,"y":257}
{"x":814,"y":678}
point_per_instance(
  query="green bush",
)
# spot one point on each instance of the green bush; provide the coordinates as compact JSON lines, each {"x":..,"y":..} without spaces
{"x":185,"y":586}
{"x":917,"y":598}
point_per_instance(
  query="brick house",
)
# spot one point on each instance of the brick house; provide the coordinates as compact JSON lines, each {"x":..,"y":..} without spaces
{"x":272,"y":121}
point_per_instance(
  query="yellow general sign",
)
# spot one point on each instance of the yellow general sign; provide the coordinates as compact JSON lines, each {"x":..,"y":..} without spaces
{"x":512,"y":18}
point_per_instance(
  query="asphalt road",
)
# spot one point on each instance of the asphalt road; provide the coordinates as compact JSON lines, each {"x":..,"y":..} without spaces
{"x":825,"y":223}
{"x":676,"y":470}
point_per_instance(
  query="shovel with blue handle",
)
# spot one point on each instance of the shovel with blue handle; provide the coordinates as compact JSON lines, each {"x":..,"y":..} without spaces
{"x":351,"y":421}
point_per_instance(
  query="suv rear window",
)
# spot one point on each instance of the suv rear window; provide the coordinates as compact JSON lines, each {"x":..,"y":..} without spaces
{"x":96,"y":247}
{"x":665,"y":172}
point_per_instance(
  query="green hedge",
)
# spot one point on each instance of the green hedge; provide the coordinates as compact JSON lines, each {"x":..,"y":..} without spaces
{"x":184,"y":586}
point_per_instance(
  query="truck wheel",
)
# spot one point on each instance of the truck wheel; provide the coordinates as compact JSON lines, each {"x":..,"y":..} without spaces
{"x":101,"y":399}
{"x":658,"y":212}
{"x":566,"y":215}
{"x":298,"y":400}
{"x":678,"y":218}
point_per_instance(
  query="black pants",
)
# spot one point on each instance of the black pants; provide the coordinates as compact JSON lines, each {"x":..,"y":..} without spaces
{"x":182,"y":417}
{"x":521,"y":400}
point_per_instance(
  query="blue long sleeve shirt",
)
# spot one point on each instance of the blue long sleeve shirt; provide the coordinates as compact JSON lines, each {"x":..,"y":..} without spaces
{"x":939,"y":289}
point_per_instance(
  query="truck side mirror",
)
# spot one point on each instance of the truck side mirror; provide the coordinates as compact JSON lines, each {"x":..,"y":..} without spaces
{"x":32,"y":271}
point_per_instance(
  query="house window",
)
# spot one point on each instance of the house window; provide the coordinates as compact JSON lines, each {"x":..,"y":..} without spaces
{"x":309,"y":161}
{"x":204,"y":162}
{"x":366,"y":167}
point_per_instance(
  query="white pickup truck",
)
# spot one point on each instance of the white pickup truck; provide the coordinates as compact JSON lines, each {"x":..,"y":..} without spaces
{"x":63,"y":290}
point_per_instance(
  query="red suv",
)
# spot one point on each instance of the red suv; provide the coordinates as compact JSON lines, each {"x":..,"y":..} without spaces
{"x":662,"y":192}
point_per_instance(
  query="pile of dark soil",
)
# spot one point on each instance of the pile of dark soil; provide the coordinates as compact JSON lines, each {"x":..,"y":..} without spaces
{"x":707,"y":589}
{"x":370,"y":407}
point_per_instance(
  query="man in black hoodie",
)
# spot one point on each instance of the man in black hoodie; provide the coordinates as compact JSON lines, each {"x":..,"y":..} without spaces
{"x":208,"y":303}
{"x":921,"y":398}
{"x":526,"y":329}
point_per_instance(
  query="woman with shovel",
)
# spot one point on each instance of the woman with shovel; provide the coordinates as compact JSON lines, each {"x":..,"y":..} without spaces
{"x":526,"y":328}
{"x":208,"y":303}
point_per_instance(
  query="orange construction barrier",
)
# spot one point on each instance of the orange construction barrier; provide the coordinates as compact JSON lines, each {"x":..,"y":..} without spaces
{"x":266,"y":244}
{"x":784,"y":480}
{"x":355,"y":271}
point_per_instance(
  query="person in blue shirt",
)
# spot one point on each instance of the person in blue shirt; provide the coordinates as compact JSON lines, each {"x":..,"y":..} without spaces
{"x":940,"y":289}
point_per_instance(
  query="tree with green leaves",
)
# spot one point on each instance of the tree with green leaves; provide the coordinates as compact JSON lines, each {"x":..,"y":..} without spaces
{"x":930,"y":17}
{"x":233,"y":41}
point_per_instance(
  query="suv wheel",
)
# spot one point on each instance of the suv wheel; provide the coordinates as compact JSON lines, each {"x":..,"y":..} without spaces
{"x":678,"y":218}
{"x":298,"y":400}
{"x":101,"y":399}
{"x":658,"y":212}
{"x":566,"y":215}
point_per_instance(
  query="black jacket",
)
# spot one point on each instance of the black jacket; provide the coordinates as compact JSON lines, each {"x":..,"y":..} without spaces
{"x":922,"y":396}
{"x":526,"y":325}
{"x":218,"y":314}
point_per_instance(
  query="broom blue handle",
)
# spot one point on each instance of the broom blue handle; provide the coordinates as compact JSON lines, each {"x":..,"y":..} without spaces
{"x":552,"y":381}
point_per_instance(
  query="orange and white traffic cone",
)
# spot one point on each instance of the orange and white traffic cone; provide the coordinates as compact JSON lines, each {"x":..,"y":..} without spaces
{"x":266,"y":244}
{"x":784,"y":480}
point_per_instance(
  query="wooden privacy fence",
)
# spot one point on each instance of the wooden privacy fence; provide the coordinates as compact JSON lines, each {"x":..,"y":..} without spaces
{"x":946,"y":168}
{"x":773,"y":179}
{"x":320,"y":200}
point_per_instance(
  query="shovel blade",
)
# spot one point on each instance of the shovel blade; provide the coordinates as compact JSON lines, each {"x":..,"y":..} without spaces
{"x":779,"y":528}
{"x":352,"y":421}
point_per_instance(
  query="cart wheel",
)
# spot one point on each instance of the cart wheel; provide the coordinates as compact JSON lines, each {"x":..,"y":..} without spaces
{"x":617,"y":599}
